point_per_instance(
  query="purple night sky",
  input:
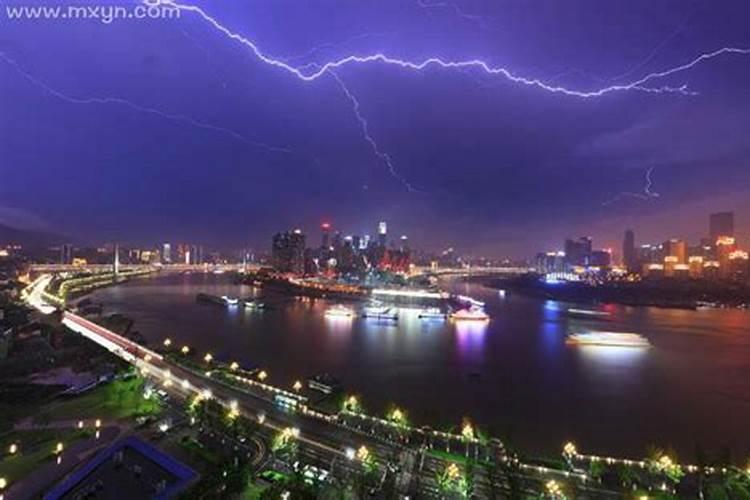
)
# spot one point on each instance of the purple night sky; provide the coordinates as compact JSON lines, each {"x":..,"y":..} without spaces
{"x":167,"y":130}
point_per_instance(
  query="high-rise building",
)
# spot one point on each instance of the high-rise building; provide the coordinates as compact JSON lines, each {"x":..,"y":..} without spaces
{"x":66,"y":253}
{"x":629,"y":255}
{"x":288,"y":252}
{"x":326,"y":239}
{"x":721,"y":224}
{"x":578,"y":252}
{"x":166,"y":253}
{"x":382,"y":233}
{"x":677,"y":249}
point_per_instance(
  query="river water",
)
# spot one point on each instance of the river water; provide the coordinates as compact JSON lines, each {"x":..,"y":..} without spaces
{"x":514,"y":376}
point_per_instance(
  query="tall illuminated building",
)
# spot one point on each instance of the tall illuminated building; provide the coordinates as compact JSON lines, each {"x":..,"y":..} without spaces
{"x":326,"y":239}
{"x":166,"y":253}
{"x":382,"y":233}
{"x":721,"y":224}
{"x":66,"y":254}
{"x":677,"y":249}
{"x":288,"y":252}
{"x":629,"y":254}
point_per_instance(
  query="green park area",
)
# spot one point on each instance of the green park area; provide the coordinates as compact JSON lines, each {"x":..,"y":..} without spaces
{"x":119,"y":399}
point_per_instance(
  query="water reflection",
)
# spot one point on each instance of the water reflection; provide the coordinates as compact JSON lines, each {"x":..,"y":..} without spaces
{"x":598,"y":356}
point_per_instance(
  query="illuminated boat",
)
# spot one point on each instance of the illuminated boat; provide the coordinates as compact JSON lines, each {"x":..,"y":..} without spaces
{"x":251,"y":304}
{"x":471,"y":314}
{"x":608,"y":339}
{"x":379,"y":312}
{"x":230,"y":301}
{"x":432,"y":313}
{"x":589,"y":312}
{"x":339,"y":312}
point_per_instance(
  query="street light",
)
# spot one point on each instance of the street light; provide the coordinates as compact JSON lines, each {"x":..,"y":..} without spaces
{"x":297,"y":386}
{"x":59,"y":447}
{"x":185,"y":349}
{"x":363,"y":453}
{"x":467,"y":431}
{"x":80,"y":424}
{"x":262,"y":375}
{"x":167,"y":342}
{"x":234,"y":366}
{"x":208,"y":357}
{"x":570,"y":449}
{"x":13,"y":448}
{"x":350,"y":453}
{"x":97,"y":423}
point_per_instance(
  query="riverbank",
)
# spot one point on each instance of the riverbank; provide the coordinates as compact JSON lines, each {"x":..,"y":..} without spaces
{"x":665,"y":293}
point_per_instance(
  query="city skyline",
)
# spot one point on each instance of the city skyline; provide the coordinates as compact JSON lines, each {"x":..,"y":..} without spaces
{"x":192,"y":150}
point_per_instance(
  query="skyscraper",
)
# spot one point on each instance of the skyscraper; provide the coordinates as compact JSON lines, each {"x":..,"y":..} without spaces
{"x":66,"y":254}
{"x":676,"y":249}
{"x":288,"y":252}
{"x":326,"y":230}
{"x":720,"y":224}
{"x":166,"y":253}
{"x":629,"y":255}
{"x":382,"y":233}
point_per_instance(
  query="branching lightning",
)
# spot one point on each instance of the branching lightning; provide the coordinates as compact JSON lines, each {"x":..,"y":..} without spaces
{"x":310,"y":73}
{"x":175,"y":117}
{"x":646,"y":194}
{"x":366,"y":133}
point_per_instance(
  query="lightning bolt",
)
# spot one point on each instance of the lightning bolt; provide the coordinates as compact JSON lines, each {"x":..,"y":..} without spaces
{"x":646,"y":195}
{"x":366,"y":133}
{"x":310,"y":73}
{"x":175,"y":117}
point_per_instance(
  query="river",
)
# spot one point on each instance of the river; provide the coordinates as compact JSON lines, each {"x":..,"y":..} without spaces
{"x":514,"y":376}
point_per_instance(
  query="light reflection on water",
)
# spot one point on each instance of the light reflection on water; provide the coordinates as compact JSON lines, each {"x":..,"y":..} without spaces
{"x":501,"y":372}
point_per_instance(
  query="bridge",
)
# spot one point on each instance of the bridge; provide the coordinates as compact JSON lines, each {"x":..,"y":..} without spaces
{"x":103,"y":268}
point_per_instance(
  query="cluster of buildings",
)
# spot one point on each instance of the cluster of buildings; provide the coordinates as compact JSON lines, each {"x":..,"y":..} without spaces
{"x":338,"y":254}
{"x":166,"y":253}
{"x":717,"y":256}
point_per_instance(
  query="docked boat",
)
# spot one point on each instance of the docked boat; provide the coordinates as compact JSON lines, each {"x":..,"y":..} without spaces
{"x":593,"y":313}
{"x":380,"y":312}
{"x":471,"y":314}
{"x":339,"y":312}
{"x":432,"y":313}
{"x":616,"y":339}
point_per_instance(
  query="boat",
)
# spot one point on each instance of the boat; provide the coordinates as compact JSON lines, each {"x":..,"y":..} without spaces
{"x":617,"y":339}
{"x":380,"y":312}
{"x":324,"y":383}
{"x":339,"y":312}
{"x":252,"y":304}
{"x":588,"y":312}
{"x":705,"y":306}
{"x":471,"y":314}
{"x":432,"y":313}
{"x":230,"y":301}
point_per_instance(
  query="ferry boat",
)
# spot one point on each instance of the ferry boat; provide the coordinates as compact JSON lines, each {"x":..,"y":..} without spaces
{"x":589,"y":312}
{"x":608,"y":339}
{"x":324,"y":383}
{"x":339,"y":312}
{"x":471,"y":314}
{"x":230,"y":301}
{"x":432,"y":313}
{"x":380,"y":312}
{"x":252,"y":304}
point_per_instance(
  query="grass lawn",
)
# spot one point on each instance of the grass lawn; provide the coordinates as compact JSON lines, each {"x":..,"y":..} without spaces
{"x":253,"y":492}
{"x":35,"y":449}
{"x":115,"y":400}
